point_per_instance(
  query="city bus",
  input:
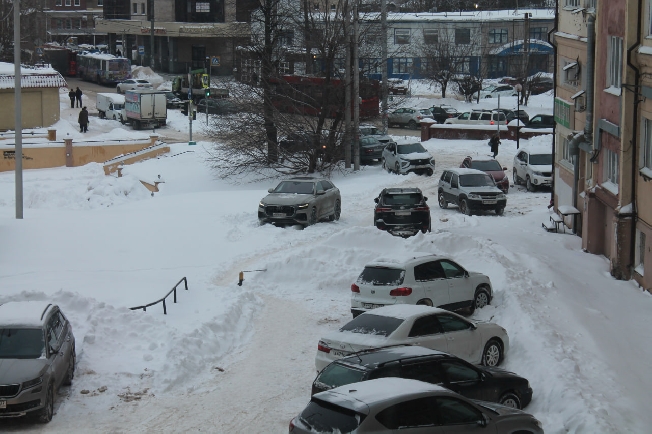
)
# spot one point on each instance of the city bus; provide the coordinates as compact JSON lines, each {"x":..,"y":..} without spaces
{"x":103,"y":68}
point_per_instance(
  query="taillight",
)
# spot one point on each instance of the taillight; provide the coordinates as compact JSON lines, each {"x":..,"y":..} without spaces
{"x":321,"y":346}
{"x":419,"y":117}
{"x":400,"y":292}
{"x":355,"y":288}
{"x":492,"y":122}
{"x":383,"y":209}
{"x":422,"y":208}
{"x":291,"y":428}
{"x":451,"y":116}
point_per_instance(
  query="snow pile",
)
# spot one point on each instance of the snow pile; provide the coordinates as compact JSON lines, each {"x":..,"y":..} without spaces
{"x":146,"y":73}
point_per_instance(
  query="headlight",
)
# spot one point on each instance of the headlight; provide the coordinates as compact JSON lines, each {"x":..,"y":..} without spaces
{"x":262,"y":205}
{"x":303,"y":206}
{"x":474,"y":196}
{"x":405,"y":163}
{"x":31,"y":383}
{"x":538,"y":423}
{"x":500,"y":196}
{"x":537,"y":173}
{"x":432,"y":161}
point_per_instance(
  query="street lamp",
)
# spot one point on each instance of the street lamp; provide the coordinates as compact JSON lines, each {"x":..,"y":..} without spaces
{"x":518,"y":88}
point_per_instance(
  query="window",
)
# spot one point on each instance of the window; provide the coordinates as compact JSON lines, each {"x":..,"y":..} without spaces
{"x":614,"y":62}
{"x":497,"y":36}
{"x":572,"y":3}
{"x":458,"y":372}
{"x":100,"y":2}
{"x":462,"y":36}
{"x":403,"y":65}
{"x":463,"y":65}
{"x":497,"y":64}
{"x":134,"y":8}
{"x":639,"y":253}
{"x":450,"y":323}
{"x":68,"y":2}
{"x":571,"y":72}
{"x":429,"y":271}
{"x":57,"y":3}
{"x":610,"y":167}
{"x":455,"y":412}
{"x":649,"y":18}
{"x":68,"y":24}
{"x":565,"y":151}
{"x":59,"y":24}
{"x":77,"y":2}
{"x":401,"y":36}
{"x":428,"y":372}
{"x":76,"y":23}
{"x":142,"y":9}
{"x":424,"y":326}
{"x":540,"y":33}
{"x":431,"y":36}
{"x":409,"y":414}
{"x":646,"y":152}
{"x":451,"y":269}
{"x":286,"y":37}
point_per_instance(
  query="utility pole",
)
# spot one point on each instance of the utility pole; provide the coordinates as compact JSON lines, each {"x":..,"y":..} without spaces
{"x":383,"y":68}
{"x":190,"y":106}
{"x":356,"y":90}
{"x":18,"y":154}
{"x":151,"y":36}
{"x":347,"y":89}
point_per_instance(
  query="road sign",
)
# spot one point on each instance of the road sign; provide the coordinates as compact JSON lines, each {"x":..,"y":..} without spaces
{"x":215,"y":61}
{"x":141,"y":50}
{"x":39,"y":51}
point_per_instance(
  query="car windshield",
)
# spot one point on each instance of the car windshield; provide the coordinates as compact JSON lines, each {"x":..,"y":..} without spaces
{"x":142,"y":81}
{"x":381,"y":276}
{"x":370,"y":324}
{"x":486,"y":165}
{"x":21,"y":343}
{"x":476,"y":180}
{"x":324,"y":417}
{"x":410,"y":148}
{"x":369,"y":131}
{"x":540,"y":159}
{"x":451,"y":110}
{"x":402,"y":199}
{"x":335,"y":375}
{"x":489,"y":88}
{"x":296,"y":187}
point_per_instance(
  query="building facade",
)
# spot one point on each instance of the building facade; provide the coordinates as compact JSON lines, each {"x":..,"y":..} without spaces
{"x":73,"y":21}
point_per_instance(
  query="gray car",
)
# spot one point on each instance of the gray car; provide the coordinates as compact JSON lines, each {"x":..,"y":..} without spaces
{"x":471,"y":190}
{"x":390,"y":405}
{"x":301,"y":200}
{"x":37,"y":356}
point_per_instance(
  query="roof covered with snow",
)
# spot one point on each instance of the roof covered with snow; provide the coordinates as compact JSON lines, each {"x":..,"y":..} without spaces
{"x":468,"y":16}
{"x":357,"y":395}
{"x":22,"y":313}
{"x":30,"y":77}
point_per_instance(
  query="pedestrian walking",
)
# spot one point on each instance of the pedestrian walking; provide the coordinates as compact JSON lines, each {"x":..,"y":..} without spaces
{"x":72,"y":95}
{"x":494,"y":143}
{"x":78,"y":94}
{"x":83,"y":120}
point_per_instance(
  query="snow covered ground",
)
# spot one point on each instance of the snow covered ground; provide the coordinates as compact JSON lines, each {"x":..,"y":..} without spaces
{"x":229,"y":358}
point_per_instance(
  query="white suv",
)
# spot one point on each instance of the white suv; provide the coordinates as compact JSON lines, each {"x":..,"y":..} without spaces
{"x":423,"y":279}
{"x":479,"y":117}
{"x":533,"y":166}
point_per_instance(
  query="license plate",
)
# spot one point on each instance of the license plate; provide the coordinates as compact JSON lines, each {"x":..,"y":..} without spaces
{"x":403,"y":212}
{"x":341,"y":353}
{"x":278,"y":214}
{"x":371,"y":306}
{"x":488,"y":202}
{"x":3,"y":404}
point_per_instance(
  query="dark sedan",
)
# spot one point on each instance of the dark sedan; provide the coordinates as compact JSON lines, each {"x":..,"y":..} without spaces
{"x":443,"y":112}
{"x":491,"y":167}
{"x":436,"y":367}
{"x":541,"y":121}
{"x":402,"y":211}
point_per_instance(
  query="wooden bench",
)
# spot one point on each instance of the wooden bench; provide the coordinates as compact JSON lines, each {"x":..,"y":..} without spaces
{"x":554,"y":224}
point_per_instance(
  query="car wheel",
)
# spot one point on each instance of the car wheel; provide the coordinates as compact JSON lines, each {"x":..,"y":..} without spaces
{"x":412,"y":125}
{"x":464,"y":207}
{"x":516,"y":178}
{"x":528,"y":184}
{"x":313,"y":216}
{"x":442,"y":201}
{"x":100,"y":114}
{"x":510,"y":400}
{"x":397,"y":169}
{"x":44,"y":415}
{"x":115,"y":118}
{"x":425,"y":302}
{"x":500,"y":211}
{"x":118,"y":89}
{"x":492,"y":354}
{"x":480,"y":299}
{"x":488,"y":96}
{"x":429,"y":172}
{"x":385,"y":165}
{"x":336,"y":211}
{"x":70,"y":374}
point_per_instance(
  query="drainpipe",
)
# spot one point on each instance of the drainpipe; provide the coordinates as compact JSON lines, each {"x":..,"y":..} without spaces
{"x":637,"y":77}
{"x":554,"y":92}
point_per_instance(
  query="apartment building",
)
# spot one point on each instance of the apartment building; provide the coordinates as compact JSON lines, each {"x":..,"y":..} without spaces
{"x":73,"y":21}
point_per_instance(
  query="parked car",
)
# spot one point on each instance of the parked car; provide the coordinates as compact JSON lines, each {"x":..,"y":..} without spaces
{"x":393,"y":405}
{"x":492,"y":168}
{"x":397,"y":86}
{"x":297,"y":141}
{"x":493,"y":91}
{"x":402,"y":211}
{"x":37,"y":354}
{"x":301,"y":200}
{"x":471,"y":190}
{"x":443,"y":112}
{"x":409,"y":117}
{"x":133,"y":84}
{"x":172,"y":101}
{"x":435,"y":367}
{"x":510,"y":115}
{"x":216,"y":106}
{"x":406,"y":157}
{"x":541,"y":121}
{"x":423,"y":279}
{"x":371,"y":149}
{"x":533,"y":166}
{"x":430,"y":327}
{"x":373,"y":131}
{"x":541,"y":85}
{"x":478,"y":117}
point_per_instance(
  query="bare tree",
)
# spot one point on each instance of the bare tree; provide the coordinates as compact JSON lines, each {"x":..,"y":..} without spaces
{"x":32,"y":27}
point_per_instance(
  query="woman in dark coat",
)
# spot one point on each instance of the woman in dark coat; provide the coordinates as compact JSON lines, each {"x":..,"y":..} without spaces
{"x":72,"y":95}
{"x":494,"y":143}
{"x":83,"y":120}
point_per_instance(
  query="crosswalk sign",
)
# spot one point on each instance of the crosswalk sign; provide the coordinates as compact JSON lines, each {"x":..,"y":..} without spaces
{"x":39,"y":51}
{"x":215,"y":61}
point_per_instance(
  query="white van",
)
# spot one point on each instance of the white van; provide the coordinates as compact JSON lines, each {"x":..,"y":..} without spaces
{"x":110,"y":105}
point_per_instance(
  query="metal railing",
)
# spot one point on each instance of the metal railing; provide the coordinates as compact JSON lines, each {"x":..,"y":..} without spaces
{"x":162,"y":300}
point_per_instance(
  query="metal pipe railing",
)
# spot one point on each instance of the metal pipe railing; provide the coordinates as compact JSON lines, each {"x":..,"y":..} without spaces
{"x":162,"y":300}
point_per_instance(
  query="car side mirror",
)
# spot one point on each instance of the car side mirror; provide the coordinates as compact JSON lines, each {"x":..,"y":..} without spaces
{"x":320,"y":192}
{"x":454,"y":184}
{"x":483,"y":422}
{"x":376,"y":200}
{"x":425,"y":198}
{"x":270,"y":190}
{"x":504,"y":168}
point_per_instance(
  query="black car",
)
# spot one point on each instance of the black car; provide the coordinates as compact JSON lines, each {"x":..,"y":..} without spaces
{"x":402,"y":211}
{"x":436,"y":367}
{"x":541,"y":121}
{"x":513,"y":114}
{"x":370,"y":149}
{"x":216,"y":106}
{"x":541,"y":85}
{"x":443,"y":112}
{"x":173,"y":101}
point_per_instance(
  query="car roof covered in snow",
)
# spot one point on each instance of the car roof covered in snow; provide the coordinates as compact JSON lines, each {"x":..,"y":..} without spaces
{"x":24,"y":313}
{"x":537,"y":149}
{"x":466,"y":171}
{"x":400,"y":261}
{"x":377,"y":356}
{"x":404,"y":311}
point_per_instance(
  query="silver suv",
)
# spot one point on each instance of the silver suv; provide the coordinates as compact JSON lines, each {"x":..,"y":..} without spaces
{"x":479,"y":117}
{"x":471,"y":190}
{"x":301,"y":200}
{"x":37,"y":356}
